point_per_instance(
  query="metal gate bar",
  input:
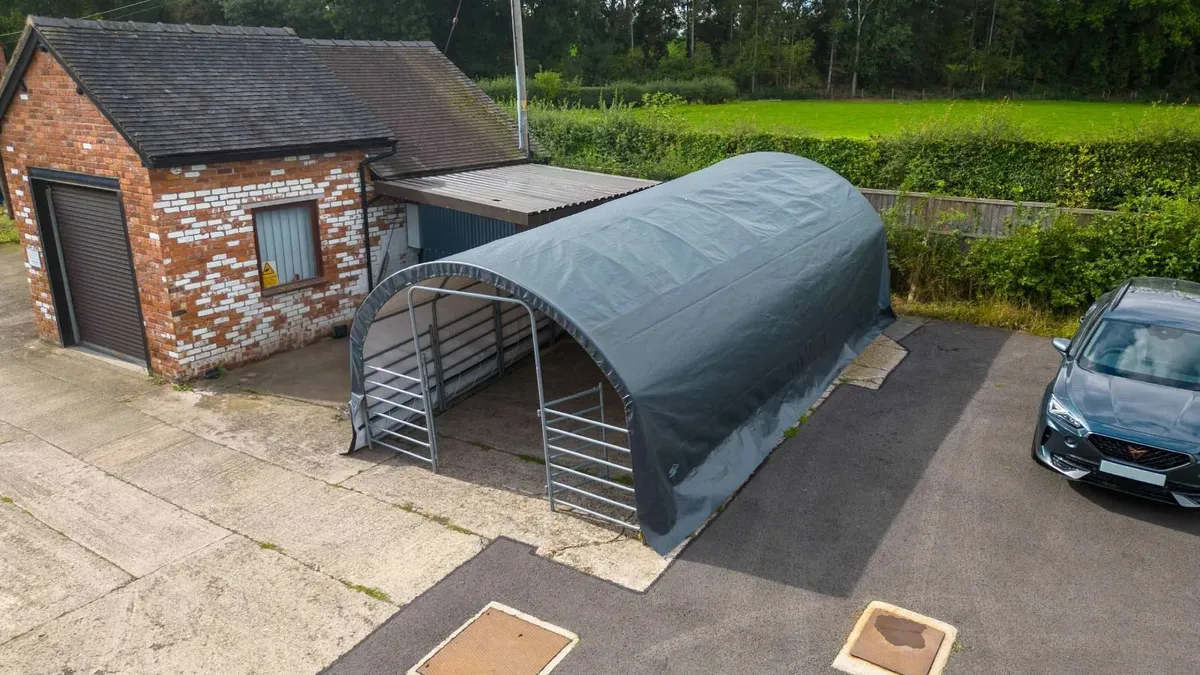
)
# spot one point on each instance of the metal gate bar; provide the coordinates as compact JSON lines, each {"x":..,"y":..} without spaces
{"x":571,"y":462}
{"x":576,"y":463}
{"x":422,"y":366}
{"x":374,"y":430}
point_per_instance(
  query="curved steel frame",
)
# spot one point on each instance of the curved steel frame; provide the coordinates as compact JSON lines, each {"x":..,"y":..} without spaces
{"x":537,"y":364}
{"x":551,"y":420}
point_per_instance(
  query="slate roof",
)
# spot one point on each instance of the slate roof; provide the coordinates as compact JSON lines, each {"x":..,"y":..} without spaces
{"x":185,"y":94}
{"x":440,"y":118}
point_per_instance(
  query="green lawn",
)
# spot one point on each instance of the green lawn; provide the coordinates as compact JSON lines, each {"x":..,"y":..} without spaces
{"x":1060,"y":120}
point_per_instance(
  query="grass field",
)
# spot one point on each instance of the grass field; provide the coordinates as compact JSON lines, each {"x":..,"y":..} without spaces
{"x":1051,"y":120}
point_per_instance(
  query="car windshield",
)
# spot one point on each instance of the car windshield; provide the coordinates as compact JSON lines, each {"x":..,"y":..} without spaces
{"x":1158,"y":354}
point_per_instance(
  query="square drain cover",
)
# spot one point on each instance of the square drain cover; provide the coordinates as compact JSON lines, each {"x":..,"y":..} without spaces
{"x":889,"y":640}
{"x":499,"y":641}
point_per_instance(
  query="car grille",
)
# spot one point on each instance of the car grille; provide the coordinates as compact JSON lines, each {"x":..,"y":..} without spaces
{"x":1132,"y":487}
{"x":1064,"y":463}
{"x":1141,"y":455}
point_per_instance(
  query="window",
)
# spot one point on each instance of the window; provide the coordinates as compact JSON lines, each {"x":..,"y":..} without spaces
{"x":288,"y":245}
{"x":1158,"y":354}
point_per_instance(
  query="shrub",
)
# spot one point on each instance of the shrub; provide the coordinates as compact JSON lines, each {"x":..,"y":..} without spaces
{"x":1062,"y":266}
{"x":8,"y":230}
{"x":987,"y":157}
{"x":551,"y":87}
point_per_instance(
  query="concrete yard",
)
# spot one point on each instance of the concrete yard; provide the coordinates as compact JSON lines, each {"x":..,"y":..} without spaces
{"x":217,"y":527}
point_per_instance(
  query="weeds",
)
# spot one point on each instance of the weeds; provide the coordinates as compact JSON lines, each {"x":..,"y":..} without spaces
{"x":440,"y":520}
{"x":367,"y":590}
{"x":8,"y":230}
{"x":993,"y":312}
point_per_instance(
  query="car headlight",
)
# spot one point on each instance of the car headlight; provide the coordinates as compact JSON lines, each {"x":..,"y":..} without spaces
{"x":1060,"y":413}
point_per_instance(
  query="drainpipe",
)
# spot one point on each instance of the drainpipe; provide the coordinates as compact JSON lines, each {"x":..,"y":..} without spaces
{"x":366,"y":221}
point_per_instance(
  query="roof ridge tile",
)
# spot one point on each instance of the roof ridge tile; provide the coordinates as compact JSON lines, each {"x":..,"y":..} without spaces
{"x":160,"y":27}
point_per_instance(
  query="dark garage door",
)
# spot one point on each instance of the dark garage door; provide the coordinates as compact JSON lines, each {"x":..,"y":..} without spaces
{"x":91,"y":236}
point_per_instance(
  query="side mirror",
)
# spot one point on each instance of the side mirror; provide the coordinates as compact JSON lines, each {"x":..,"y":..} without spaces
{"x":1061,"y":344}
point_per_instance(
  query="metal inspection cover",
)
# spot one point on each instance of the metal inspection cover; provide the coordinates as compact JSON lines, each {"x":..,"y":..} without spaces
{"x":889,"y":640}
{"x":499,"y":640}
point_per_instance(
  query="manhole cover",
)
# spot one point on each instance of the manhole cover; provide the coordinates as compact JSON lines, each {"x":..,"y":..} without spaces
{"x":889,"y":640}
{"x":499,"y":641}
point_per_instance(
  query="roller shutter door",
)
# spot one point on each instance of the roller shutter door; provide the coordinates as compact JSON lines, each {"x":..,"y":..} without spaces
{"x":95,"y":254}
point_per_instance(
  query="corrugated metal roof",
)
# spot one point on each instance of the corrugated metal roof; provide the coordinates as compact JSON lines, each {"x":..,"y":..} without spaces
{"x":526,"y":194}
{"x":182,"y":93}
{"x":442,"y":120}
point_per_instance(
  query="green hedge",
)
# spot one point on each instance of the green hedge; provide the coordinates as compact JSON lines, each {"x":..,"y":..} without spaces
{"x":973,"y":162}
{"x":558,"y":91}
{"x":1065,"y":265}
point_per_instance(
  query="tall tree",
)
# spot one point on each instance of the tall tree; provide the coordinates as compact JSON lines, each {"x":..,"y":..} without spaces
{"x":859,"y":11}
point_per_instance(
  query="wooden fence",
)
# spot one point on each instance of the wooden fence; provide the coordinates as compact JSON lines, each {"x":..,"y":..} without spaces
{"x":973,"y":217}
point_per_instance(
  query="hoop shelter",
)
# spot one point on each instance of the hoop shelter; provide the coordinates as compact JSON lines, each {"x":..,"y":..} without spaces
{"x":719,"y":306}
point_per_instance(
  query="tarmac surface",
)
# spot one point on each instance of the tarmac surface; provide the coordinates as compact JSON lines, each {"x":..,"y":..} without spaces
{"x":921,"y":494}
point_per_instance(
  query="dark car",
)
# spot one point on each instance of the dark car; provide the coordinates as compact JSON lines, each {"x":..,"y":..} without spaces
{"x":1124,"y":410}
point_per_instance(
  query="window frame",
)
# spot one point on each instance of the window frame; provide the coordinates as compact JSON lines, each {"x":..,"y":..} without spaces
{"x":318,"y":253}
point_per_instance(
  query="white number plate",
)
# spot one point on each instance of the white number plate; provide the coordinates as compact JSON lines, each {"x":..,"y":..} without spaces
{"x":1124,"y":471}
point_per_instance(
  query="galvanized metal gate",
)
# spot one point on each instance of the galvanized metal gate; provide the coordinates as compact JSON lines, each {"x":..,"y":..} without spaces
{"x":445,"y":232}
{"x":587,"y":458}
{"x":451,"y":352}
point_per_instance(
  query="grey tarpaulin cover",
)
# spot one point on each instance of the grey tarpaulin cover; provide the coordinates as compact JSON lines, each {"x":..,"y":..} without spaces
{"x":719,"y":305}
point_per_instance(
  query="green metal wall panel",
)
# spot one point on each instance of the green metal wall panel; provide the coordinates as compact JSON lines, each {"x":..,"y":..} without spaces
{"x":445,"y":232}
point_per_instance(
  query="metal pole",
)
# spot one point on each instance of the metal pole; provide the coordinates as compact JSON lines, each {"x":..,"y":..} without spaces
{"x":537,"y":365}
{"x":603,"y":431}
{"x":436,"y":345}
{"x":412,"y":317}
{"x":496,"y":316}
{"x":519,"y":59}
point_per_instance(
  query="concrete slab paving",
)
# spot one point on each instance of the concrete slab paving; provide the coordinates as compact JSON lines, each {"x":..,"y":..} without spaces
{"x":43,"y":574}
{"x":9,"y":433}
{"x":295,"y":435}
{"x":875,"y":363}
{"x":85,"y":370}
{"x":130,"y":448}
{"x":904,"y":326}
{"x":318,"y":373}
{"x":22,"y":386}
{"x":343,"y":533}
{"x":72,"y":417}
{"x":498,"y":512}
{"x":16,"y":312}
{"x":127,"y":526}
{"x":231,"y":607}
{"x":80,"y":422}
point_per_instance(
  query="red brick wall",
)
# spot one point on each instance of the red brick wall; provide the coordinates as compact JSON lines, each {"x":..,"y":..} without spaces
{"x":210,"y":255}
{"x":52,"y":127}
{"x":191,"y":231}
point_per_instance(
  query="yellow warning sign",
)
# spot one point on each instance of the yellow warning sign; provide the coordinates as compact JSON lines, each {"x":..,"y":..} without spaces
{"x":270,"y":278}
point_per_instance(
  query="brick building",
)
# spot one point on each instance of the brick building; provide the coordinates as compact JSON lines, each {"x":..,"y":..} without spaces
{"x":190,"y":196}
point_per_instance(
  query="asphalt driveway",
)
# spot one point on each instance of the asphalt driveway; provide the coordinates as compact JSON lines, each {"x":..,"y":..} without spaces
{"x":921,"y":494}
